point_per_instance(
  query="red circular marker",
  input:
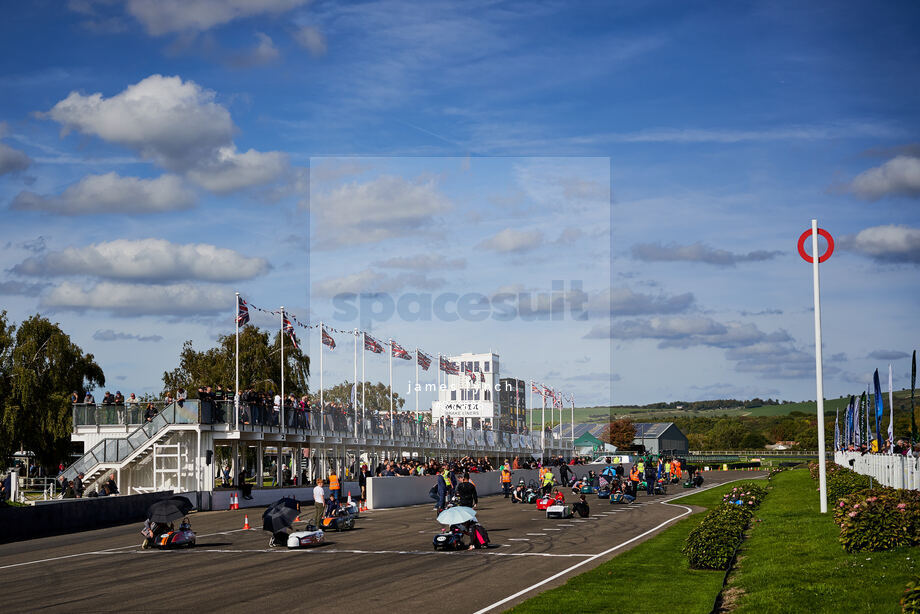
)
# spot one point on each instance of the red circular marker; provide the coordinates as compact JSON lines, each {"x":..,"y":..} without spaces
{"x":830,"y":246}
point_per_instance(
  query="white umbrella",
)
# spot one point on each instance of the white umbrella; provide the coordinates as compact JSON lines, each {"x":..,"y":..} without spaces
{"x":457,"y":515}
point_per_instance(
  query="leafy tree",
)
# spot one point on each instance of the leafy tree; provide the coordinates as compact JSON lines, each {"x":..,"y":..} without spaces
{"x":619,"y":433}
{"x":727,"y":434}
{"x":44,"y":368}
{"x":376,"y":395}
{"x":260,"y":365}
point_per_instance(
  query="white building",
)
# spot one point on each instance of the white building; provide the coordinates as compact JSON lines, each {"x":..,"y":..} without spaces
{"x":472,"y":393}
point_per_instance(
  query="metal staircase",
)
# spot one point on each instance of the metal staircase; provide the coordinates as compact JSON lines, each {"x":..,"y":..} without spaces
{"x":112,"y":453}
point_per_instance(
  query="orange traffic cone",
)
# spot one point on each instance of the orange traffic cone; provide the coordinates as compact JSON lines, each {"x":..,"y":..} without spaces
{"x":246,"y":526}
{"x":349,"y":499}
{"x":231,"y":502}
{"x":236,"y":501}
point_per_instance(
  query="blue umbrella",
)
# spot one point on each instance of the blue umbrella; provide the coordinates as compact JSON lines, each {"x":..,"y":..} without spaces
{"x":457,"y":515}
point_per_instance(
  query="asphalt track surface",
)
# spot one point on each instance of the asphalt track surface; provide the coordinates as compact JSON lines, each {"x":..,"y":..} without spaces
{"x":386,"y":564}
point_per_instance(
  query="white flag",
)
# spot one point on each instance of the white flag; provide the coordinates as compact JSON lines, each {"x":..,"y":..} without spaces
{"x":890,"y":411}
{"x":354,"y":395}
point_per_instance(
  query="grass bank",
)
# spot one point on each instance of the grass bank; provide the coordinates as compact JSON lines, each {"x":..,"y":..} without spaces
{"x":792,"y":561}
{"x":652,"y":577}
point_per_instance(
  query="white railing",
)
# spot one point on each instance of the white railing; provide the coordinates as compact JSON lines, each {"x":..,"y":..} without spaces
{"x":891,"y":470}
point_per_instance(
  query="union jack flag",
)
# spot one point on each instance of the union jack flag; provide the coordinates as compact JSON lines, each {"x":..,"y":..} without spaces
{"x":535,"y":388}
{"x":469,"y":372}
{"x":242,"y":314}
{"x":423,"y":359}
{"x":288,"y":329}
{"x":449,"y":367}
{"x":328,"y":340}
{"x":372,"y":344}
{"x":398,"y":351}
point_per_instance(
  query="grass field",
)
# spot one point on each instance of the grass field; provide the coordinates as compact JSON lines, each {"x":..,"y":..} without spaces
{"x":792,"y":561}
{"x":655,"y":565}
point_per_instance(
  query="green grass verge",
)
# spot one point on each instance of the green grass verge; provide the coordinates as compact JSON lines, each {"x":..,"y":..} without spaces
{"x":792,"y":561}
{"x":618,"y":585}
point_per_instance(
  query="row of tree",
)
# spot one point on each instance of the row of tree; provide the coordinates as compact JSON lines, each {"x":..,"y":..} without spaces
{"x":40,"y":367}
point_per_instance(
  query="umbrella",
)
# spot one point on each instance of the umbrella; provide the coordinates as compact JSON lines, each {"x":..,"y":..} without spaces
{"x":457,"y":515}
{"x":279,"y":515}
{"x":168,"y":510}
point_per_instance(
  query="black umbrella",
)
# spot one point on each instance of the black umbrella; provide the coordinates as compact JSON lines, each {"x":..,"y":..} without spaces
{"x":168,"y":510}
{"x":280,"y":515}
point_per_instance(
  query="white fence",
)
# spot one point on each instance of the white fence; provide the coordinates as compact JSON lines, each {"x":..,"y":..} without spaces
{"x":891,"y":470}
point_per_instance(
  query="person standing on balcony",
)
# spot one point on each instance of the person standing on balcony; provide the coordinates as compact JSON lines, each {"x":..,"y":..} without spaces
{"x":181,"y":395}
{"x":276,"y":408}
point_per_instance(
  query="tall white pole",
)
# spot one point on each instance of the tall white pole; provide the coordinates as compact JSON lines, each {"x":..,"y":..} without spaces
{"x":416,"y":383}
{"x":543,"y":429}
{"x":573,"y":424}
{"x":356,"y":383}
{"x":236,"y":386}
{"x":322,"y":417}
{"x":530,"y":428}
{"x":363,"y":379}
{"x":442,"y":434}
{"x":392,"y":417}
{"x":819,"y":371}
{"x":281,"y":408}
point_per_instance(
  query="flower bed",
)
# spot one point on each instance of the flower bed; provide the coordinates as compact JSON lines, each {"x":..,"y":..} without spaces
{"x":878,"y":519}
{"x":713,"y":543}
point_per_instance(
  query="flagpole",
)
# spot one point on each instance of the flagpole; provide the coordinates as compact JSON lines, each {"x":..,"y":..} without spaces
{"x":392,"y":418}
{"x":281,"y":408}
{"x":322,"y":418}
{"x":543,"y":430}
{"x":416,"y":383}
{"x":355,"y":400}
{"x":530,"y":413}
{"x":236,"y":386}
{"x":573,"y":424}
{"x":441,"y":435}
{"x":819,"y":371}
{"x":363,"y":379}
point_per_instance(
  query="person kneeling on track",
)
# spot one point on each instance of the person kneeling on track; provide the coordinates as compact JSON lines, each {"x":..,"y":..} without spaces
{"x":517,"y":495}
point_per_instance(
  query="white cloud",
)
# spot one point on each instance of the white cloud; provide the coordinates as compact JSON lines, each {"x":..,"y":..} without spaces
{"x":727,"y":136}
{"x":112,"y":193}
{"x":176,"y":124}
{"x":697,"y":252}
{"x":230,"y":170}
{"x":899,"y":176}
{"x":121,"y":299}
{"x":423,"y":262}
{"x":168,"y":16}
{"x":688,"y":331}
{"x":311,"y":39}
{"x":383,"y":208}
{"x":511,"y":240}
{"x":888,"y":243}
{"x":154,"y":260}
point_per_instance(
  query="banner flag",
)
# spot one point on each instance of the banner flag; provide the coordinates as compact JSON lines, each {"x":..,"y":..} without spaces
{"x":837,"y":430}
{"x":890,"y":410}
{"x":242,"y":315}
{"x":449,"y":367}
{"x":914,"y":435}
{"x":328,"y":340}
{"x":424,"y":361}
{"x":372,"y":344}
{"x":879,"y":410}
{"x":399,"y":352}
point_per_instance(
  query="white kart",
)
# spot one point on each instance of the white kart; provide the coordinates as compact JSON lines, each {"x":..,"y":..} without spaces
{"x":305,"y":539}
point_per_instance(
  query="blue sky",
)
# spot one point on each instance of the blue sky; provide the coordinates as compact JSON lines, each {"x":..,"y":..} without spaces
{"x":157,"y":157}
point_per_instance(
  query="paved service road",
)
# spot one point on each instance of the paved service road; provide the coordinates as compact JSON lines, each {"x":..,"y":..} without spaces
{"x":386,"y":564}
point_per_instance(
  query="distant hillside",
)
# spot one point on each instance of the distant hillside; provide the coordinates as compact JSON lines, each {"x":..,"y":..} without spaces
{"x":712,"y":409}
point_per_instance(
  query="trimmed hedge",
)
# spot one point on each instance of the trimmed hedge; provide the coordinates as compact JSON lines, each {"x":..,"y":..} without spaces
{"x":712,"y":544}
{"x":878,"y":519}
{"x":844,"y":482}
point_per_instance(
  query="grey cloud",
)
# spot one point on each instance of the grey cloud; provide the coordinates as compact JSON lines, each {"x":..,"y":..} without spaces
{"x":422,"y":262}
{"x":111,"y":335}
{"x":888,"y":355}
{"x":21,"y":288}
{"x":899,"y":176}
{"x":112,"y":193}
{"x":130,"y":300}
{"x":697,"y":252}
{"x":625,"y":302}
{"x":311,"y":39}
{"x":512,"y":240}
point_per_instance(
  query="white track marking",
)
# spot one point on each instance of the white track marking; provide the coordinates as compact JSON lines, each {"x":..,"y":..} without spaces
{"x":518,"y":539}
{"x":536,"y":533}
{"x":106,"y":551}
{"x":584,"y":562}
